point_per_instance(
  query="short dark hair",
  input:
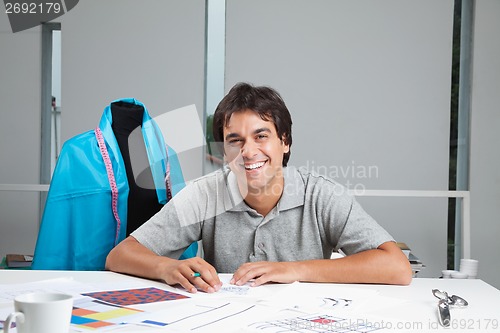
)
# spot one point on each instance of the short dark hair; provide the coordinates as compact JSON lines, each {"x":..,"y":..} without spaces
{"x":264,"y":101}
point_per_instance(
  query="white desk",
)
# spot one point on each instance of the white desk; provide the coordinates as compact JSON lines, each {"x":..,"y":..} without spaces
{"x":414,"y":308}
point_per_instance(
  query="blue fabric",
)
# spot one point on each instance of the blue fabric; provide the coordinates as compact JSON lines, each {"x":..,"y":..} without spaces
{"x":78,"y":228}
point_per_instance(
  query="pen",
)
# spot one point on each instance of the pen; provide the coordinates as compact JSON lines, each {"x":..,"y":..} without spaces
{"x":196,"y":274}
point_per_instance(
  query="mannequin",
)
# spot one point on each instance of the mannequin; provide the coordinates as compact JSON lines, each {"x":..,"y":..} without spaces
{"x":80,"y":222}
{"x":142,"y":199}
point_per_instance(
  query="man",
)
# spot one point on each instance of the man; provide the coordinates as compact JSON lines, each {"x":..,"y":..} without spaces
{"x":258,"y":218}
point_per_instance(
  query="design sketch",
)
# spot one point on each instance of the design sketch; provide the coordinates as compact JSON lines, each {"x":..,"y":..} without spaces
{"x":331,"y":302}
{"x":314,"y":323}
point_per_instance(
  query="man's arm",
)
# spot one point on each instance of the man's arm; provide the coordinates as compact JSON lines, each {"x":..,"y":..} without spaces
{"x":387,"y":265}
{"x":131,"y":257}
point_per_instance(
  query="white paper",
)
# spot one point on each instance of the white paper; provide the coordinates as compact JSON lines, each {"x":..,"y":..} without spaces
{"x":210,"y":315}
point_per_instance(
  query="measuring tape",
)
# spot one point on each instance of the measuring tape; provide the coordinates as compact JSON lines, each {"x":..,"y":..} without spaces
{"x":168,"y":184}
{"x":111,"y":179}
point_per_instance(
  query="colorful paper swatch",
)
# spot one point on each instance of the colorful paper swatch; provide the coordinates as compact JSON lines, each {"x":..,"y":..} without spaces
{"x":95,"y":314}
{"x":135,"y":296}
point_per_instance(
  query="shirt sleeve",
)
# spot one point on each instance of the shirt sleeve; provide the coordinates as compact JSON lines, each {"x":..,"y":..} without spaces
{"x":348,"y":226}
{"x":170,"y":231}
{"x":361,"y":232}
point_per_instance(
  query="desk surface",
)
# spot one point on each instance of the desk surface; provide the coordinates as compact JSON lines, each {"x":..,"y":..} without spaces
{"x":392,"y":308}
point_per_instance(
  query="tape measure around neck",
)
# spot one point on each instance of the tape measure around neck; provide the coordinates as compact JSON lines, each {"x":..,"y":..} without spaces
{"x":168,"y":183}
{"x":111,"y":179}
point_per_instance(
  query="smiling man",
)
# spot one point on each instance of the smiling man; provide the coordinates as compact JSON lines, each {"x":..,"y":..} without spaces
{"x":255,"y":154}
{"x":259,"y":218}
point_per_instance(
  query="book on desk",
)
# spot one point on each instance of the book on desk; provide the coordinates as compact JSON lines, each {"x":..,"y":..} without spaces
{"x":18,"y":260}
{"x":415,"y":263}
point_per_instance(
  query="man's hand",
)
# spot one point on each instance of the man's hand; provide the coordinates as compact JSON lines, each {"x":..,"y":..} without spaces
{"x":263,"y":271}
{"x":386,"y":264}
{"x":131,"y":257}
{"x":183,"y":272}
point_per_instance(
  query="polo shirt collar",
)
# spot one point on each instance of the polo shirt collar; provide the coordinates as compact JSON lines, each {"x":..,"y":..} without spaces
{"x":293,"y":192}
{"x":234,"y":200}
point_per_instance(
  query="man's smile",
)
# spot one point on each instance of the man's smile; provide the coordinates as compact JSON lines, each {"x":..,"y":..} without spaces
{"x":254,"y":166}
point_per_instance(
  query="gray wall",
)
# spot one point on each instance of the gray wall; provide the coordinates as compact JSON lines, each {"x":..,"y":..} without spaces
{"x":485,"y":141}
{"x":367,"y":82}
{"x":19,"y":135}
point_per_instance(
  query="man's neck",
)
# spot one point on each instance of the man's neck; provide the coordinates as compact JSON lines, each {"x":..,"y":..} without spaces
{"x":263,"y":203}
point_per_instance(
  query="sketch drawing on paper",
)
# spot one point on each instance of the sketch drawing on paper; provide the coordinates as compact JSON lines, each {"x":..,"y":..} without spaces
{"x":331,"y":302}
{"x":314,"y":323}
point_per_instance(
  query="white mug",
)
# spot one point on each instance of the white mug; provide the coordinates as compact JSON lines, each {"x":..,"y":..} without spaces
{"x":41,"y":313}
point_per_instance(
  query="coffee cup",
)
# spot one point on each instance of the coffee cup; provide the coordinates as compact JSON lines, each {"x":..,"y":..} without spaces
{"x":469,"y":267}
{"x":447,"y":273}
{"x":459,"y":275}
{"x":41,"y":312}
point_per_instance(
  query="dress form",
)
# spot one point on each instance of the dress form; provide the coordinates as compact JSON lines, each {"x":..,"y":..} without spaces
{"x":142,"y":199}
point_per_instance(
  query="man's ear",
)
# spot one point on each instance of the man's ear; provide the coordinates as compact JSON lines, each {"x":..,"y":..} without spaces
{"x":286,"y":146}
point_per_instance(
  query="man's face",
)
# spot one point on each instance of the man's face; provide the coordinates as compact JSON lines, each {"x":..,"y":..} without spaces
{"x":254,"y":153}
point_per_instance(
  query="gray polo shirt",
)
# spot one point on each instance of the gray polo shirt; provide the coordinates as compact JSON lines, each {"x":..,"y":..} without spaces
{"x":314,"y":216}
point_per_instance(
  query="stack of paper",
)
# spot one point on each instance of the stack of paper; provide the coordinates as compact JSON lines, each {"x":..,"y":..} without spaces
{"x":415,"y":262}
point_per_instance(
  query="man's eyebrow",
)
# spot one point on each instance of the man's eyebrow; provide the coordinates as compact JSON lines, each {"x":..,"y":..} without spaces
{"x":262,"y":129}
{"x":257,"y":131}
{"x":232,"y":135}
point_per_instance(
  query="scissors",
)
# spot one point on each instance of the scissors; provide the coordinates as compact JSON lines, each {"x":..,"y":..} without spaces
{"x":444,"y":305}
